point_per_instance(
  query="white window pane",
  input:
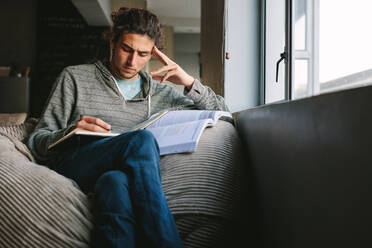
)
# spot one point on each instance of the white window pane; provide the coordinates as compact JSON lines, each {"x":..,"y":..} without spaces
{"x":345,"y":50}
{"x":274,"y":46}
{"x":300,"y":25}
{"x":300,"y":85}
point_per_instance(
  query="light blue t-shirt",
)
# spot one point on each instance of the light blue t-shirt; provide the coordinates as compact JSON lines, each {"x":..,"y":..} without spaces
{"x":129,"y":88}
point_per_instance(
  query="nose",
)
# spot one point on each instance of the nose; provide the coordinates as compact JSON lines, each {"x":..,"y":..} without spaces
{"x":132,"y":59}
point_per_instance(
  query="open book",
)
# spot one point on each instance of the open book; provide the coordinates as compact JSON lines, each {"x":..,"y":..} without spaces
{"x":176,"y":131}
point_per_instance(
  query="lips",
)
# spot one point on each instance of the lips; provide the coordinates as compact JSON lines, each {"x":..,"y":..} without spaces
{"x":129,"y":70}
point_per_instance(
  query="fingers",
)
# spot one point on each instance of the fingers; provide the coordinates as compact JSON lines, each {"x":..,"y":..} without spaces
{"x":96,"y":121}
{"x":169,"y":69}
{"x":163,"y":69}
{"x":161,"y":78}
{"x":173,"y":72}
{"x":161,"y":56}
{"x":167,"y":75}
{"x":93,"y":124}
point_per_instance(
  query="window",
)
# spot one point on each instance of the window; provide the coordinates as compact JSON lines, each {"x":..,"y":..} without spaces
{"x":330,"y":46}
{"x":304,"y":55}
{"x":274,"y":36}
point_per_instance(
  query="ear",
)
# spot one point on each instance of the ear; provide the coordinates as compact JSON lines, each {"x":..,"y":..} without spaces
{"x":112,"y":44}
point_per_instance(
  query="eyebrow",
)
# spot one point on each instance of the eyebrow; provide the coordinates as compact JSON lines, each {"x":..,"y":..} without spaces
{"x":139,"y":51}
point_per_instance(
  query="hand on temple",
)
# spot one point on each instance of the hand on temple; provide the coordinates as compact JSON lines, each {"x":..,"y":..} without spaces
{"x":173,"y":72}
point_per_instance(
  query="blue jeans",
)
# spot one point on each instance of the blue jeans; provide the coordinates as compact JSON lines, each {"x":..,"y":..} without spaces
{"x":123,"y":173}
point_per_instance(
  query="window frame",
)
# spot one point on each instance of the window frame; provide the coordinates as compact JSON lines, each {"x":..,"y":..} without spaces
{"x":311,"y":51}
{"x":270,"y":91}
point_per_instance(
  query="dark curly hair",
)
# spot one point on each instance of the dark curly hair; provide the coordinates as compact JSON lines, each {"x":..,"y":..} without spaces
{"x":134,"y":20}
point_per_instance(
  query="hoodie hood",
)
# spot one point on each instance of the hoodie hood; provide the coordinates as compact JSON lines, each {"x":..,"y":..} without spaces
{"x":108,"y":78}
{"x":145,"y":93}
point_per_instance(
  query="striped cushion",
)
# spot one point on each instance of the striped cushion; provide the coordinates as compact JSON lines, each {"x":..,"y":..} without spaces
{"x":203,"y":230}
{"x":205,"y":181}
{"x":12,"y":119}
{"x":202,"y":188}
{"x":40,"y":208}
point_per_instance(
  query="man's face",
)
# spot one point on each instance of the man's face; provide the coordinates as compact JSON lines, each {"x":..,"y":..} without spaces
{"x":130,"y":54}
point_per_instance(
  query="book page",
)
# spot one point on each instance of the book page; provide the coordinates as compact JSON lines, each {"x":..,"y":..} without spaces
{"x":153,"y":118}
{"x":86,"y":132}
{"x":78,"y":131}
{"x":181,"y":137}
{"x":181,"y":116}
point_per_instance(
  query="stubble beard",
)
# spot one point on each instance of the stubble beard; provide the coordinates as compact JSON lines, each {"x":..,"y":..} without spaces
{"x":124,"y":76}
{"x":117,"y":72}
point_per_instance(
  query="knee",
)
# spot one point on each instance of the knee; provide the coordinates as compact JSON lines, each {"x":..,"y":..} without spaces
{"x":144,"y":139}
{"x":111,"y":180}
{"x":143,"y":136}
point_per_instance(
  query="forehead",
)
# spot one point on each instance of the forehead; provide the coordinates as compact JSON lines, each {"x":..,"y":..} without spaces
{"x":137,"y":41}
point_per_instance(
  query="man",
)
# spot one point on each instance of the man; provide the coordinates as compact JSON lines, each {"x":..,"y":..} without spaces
{"x":123,"y":171}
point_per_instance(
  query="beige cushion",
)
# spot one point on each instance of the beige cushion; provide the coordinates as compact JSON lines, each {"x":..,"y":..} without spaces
{"x":12,"y":119}
{"x":41,"y":208}
{"x":205,"y":181}
{"x":202,"y":188}
{"x":38,"y":207}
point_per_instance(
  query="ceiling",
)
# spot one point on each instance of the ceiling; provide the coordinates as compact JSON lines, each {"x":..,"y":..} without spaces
{"x":183,"y":15}
{"x":175,"y":8}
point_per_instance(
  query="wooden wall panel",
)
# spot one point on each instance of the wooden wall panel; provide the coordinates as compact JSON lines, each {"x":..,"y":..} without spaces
{"x":212,"y":44}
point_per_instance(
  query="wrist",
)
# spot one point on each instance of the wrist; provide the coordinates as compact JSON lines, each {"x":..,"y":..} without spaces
{"x":190,"y":82}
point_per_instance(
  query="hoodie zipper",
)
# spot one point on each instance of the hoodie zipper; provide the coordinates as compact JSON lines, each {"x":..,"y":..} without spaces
{"x":117,"y":87}
{"x":148,"y":97}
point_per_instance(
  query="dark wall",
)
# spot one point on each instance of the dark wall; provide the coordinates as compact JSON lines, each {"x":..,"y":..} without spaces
{"x":48,"y":36}
{"x":63,"y":39}
{"x":18,"y":32}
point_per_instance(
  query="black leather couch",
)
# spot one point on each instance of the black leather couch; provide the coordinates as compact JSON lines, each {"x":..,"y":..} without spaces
{"x":309,"y":172}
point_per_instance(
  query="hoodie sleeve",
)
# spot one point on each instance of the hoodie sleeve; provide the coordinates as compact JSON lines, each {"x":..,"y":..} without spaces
{"x":202,"y":97}
{"x":54,"y":120}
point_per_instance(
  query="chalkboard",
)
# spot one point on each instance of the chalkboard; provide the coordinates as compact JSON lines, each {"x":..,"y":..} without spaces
{"x":63,"y":38}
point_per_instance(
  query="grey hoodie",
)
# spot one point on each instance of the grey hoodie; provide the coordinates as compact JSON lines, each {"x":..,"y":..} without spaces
{"x":92,"y":90}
